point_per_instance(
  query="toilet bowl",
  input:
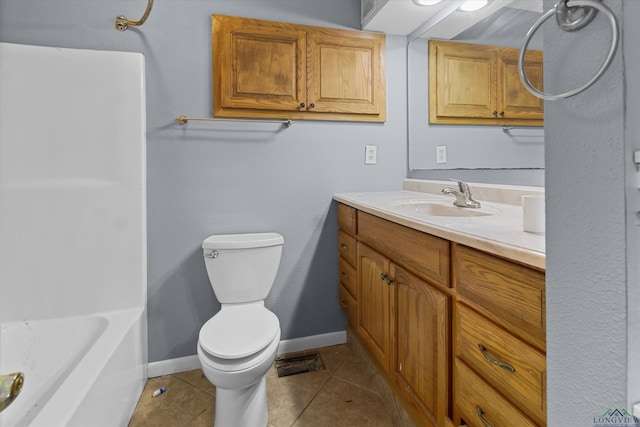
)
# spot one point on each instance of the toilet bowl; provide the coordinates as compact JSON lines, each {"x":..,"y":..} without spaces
{"x":238,"y":345}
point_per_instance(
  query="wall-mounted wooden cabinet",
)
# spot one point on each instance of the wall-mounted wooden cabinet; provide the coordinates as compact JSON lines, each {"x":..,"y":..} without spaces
{"x":480,"y":84}
{"x":266,"y":69}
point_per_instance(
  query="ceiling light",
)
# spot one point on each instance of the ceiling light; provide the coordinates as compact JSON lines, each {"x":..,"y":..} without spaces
{"x":426,"y":2}
{"x":471,"y":5}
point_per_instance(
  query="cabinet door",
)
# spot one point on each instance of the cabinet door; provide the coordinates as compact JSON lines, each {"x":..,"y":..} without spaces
{"x":464,"y":80}
{"x":345,"y":72}
{"x":259,"y":65}
{"x":374,"y":302}
{"x":421,"y":347}
{"x":515,"y":101}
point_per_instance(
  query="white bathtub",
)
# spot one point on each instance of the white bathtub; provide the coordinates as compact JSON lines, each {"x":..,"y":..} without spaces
{"x":79,"y":371}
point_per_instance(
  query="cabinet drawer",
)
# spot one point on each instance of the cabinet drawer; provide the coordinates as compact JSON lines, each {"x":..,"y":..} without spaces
{"x":347,"y":276}
{"x":507,"y":363}
{"x":349,"y":305}
{"x":479,"y":405}
{"x":421,"y":253}
{"x":347,"y":218}
{"x":347,"y":247}
{"x":513,"y":293}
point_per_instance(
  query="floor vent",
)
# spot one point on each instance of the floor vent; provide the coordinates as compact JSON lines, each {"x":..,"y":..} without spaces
{"x":298,"y":363}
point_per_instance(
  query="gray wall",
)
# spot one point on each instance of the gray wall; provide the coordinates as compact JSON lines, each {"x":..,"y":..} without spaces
{"x":228,"y":177}
{"x":592,"y":233}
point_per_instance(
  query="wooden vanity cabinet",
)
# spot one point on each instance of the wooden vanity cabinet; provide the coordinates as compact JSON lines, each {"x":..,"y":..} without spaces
{"x":480,"y":84}
{"x":267,"y":69}
{"x":347,"y":261}
{"x":458,"y":333}
{"x":404,"y":312}
{"x":499,"y":341}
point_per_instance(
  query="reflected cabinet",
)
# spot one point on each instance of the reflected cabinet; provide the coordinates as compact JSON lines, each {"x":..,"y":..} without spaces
{"x":480,"y":84}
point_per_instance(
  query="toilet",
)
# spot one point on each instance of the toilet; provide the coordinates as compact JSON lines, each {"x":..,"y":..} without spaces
{"x":238,"y":345}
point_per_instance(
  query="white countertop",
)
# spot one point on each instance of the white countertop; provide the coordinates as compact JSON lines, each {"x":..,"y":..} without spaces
{"x":499,"y":233}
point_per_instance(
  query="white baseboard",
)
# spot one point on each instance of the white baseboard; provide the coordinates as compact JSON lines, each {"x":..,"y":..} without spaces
{"x":188,"y":363}
{"x":314,"y":341}
{"x":173,"y":366}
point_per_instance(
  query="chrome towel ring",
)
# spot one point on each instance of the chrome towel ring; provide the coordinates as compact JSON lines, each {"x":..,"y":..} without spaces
{"x":571,"y":16}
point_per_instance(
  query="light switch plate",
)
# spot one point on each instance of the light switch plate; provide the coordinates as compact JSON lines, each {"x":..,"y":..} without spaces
{"x":371,"y":155}
{"x":441,"y":154}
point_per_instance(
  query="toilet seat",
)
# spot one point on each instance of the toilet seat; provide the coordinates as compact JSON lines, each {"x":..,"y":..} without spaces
{"x":239,"y":331}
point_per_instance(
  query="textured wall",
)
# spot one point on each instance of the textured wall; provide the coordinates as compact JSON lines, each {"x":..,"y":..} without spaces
{"x":223,"y":178}
{"x":586,"y":225}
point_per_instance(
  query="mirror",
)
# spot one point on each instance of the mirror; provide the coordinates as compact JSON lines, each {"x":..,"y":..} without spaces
{"x":487,"y":150}
{"x":479,"y":153}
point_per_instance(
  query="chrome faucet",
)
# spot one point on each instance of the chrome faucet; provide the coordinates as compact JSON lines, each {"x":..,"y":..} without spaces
{"x":462,"y":195}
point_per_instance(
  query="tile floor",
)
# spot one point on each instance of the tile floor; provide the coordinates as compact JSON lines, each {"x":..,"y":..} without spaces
{"x":340,"y":395}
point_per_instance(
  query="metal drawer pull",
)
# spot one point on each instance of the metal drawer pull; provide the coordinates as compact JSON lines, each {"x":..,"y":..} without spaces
{"x":344,"y":247}
{"x":493,"y":360}
{"x":344,"y":276}
{"x":344,"y":305}
{"x":485,"y":423}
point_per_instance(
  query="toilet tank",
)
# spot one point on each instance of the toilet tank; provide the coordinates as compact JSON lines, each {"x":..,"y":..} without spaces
{"x":242,"y":267}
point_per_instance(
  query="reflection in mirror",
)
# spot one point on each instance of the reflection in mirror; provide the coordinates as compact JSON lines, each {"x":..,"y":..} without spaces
{"x":476,"y":153}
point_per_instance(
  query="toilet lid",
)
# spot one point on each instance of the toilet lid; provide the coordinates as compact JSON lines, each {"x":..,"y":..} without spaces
{"x":239,"y":331}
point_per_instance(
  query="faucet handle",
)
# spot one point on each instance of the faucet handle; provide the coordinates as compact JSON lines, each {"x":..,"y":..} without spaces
{"x":463,"y":186}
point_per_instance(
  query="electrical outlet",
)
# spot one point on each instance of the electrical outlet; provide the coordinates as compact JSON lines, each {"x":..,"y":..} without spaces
{"x":441,"y":154}
{"x":371,"y":155}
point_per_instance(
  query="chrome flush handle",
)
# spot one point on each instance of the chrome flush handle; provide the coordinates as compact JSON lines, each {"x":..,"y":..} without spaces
{"x":211,"y":253}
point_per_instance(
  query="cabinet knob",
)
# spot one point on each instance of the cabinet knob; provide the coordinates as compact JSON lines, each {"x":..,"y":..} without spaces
{"x":302,"y":105}
{"x":383,"y":276}
{"x":345,"y":276}
{"x":501,"y":113}
{"x":344,"y":305}
{"x":495,"y":114}
{"x":344,"y":247}
{"x":312,"y":105}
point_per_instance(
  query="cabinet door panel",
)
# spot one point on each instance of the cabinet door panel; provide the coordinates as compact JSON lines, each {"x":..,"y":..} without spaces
{"x":374,"y":303}
{"x":345,"y":73}
{"x":258,"y":66}
{"x":422,"y":331}
{"x":466,"y":81}
{"x":516,"y":101}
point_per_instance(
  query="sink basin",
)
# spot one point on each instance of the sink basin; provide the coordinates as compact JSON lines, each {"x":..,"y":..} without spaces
{"x":439,"y":208}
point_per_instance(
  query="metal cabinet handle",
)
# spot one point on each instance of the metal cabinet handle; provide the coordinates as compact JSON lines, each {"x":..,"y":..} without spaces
{"x":480,"y":412}
{"x":501,"y":113}
{"x":495,"y":114}
{"x":312,"y":105}
{"x":344,"y":276}
{"x":386,"y":278}
{"x":344,"y":247}
{"x":302,"y":105}
{"x":344,"y":305}
{"x":489,"y":358}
